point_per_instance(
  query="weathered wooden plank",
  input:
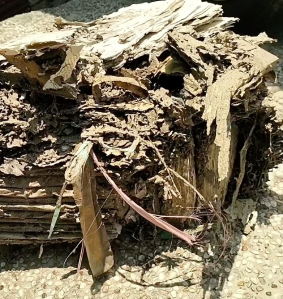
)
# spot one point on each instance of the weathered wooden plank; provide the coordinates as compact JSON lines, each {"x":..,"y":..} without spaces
{"x":32,"y":182}
{"x":39,"y":228}
{"x":38,"y":208}
{"x":34,"y":192}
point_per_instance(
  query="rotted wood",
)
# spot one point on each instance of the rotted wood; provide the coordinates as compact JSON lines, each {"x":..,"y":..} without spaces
{"x":24,"y":215}
{"x":37,"y":208}
{"x":32,"y":238}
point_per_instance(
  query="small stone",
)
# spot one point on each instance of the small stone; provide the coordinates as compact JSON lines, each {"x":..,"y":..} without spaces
{"x":255,"y":270}
{"x":83,"y":285}
{"x":49,"y":276}
{"x":274,"y":286}
{"x":58,"y":283}
{"x":269,"y":276}
{"x":244,"y":261}
{"x":161,"y":276}
{"x":141,"y":258}
{"x":268,"y":293}
{"x":3,"y":264}
{"x":259,"y":288}
{"x":280,"y":281}
{"x":254,"y":280}
{"x":262,"y":280}
{"x":174,"y":294}
{"x":21,"y":293}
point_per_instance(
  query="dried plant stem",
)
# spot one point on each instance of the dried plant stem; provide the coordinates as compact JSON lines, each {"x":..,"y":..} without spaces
{"x":243,"y":158}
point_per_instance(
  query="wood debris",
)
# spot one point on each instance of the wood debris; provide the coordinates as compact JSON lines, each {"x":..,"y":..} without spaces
{"x":158,"y":91}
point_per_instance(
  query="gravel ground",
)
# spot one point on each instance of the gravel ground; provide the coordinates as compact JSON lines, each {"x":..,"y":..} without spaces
{"x":250,"y":266}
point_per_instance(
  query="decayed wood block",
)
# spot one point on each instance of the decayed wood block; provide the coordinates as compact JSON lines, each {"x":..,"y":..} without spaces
{"x":208,"y":183}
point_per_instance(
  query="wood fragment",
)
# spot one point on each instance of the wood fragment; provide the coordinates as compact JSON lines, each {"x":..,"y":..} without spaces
{"x":81,"y":175}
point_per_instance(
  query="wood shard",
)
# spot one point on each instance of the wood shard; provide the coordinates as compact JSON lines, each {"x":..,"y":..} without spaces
{"x":95,"y":237}
{"x":217,"y":107}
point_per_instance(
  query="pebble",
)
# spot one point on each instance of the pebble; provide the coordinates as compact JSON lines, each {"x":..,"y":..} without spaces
{"x":255,"y":270}
{"x":58,"y":283}
{"x":174,"y":294}
{"x":61,"y":295}
{"x":3,"y":264}
{"x":161,"y":276}
{"x":269,"y":276}
{"x":244,"y":261}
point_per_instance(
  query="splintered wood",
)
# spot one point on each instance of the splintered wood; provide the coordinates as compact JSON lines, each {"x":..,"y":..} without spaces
{"x":157,"y":91}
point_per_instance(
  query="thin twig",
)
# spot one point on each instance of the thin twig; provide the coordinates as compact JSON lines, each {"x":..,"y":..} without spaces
{"x":81,"y":257}
{"x":243,"y":158}
{"x":186,"y":182}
